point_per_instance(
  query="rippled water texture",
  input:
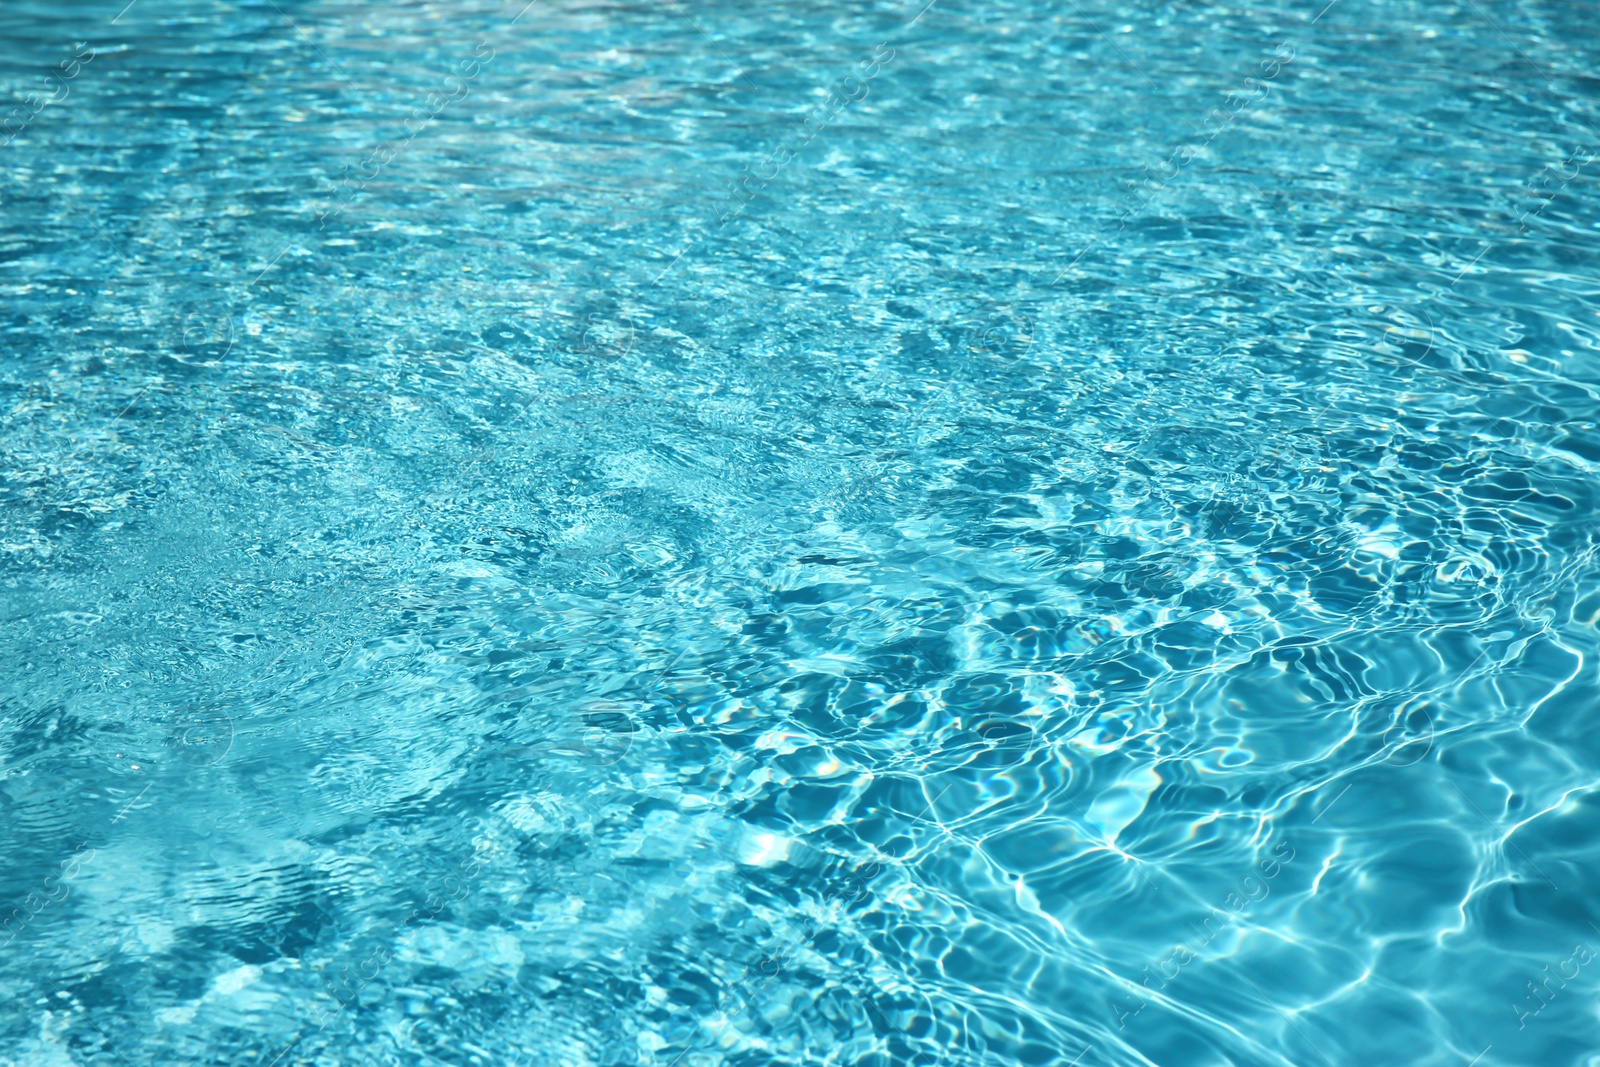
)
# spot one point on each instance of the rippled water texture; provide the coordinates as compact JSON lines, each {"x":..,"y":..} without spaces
{"x":727,"y":535}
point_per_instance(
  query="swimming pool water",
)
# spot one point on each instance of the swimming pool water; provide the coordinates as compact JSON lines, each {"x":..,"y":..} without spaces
{"x":628,"y":535}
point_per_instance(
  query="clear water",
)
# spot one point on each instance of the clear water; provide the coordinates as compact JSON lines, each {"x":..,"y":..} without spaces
{"x":481,"y":587}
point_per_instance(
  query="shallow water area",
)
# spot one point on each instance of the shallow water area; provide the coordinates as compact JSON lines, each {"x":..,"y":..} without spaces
{"x":698,"y":535}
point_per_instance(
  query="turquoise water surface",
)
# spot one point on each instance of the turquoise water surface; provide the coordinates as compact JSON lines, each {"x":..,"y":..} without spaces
{"x":586,"y":534}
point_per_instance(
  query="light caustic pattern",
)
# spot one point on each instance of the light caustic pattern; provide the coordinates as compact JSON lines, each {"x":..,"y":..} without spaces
{"x":710,"y":534}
